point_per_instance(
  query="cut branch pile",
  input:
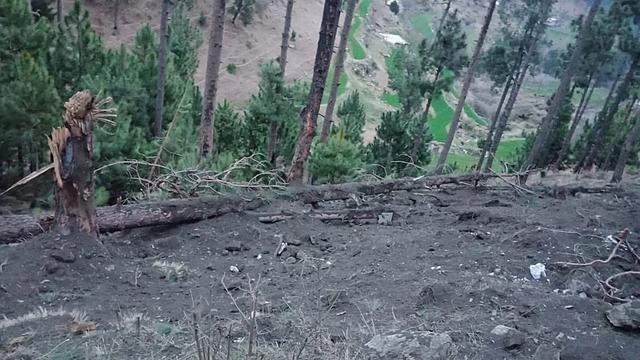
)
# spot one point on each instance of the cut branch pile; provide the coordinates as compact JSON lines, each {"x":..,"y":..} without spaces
{"x":632,"y":256}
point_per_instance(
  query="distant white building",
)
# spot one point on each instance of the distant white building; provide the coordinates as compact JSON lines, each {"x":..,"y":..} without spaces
{"x":552,"y":21}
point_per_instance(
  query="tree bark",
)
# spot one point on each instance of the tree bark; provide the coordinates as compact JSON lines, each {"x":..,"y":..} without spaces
{"x":618,"y":138}
{"x":494,"y":123}
{"x":629,"y":144}
{"x":273,"y":142}
{"x":211,"y":80}
{"x":538,"y":153}
{"x":339,"y":69}
{"x":284,"y":46}
{"x":116,"y":9}
{"x":443,"y":18}
{"x":71,"y":149}
{"x":504,"y":117}
{"x":309,"y":115}
{"x":59,"y":11}
{"x":603,"y":124}
{"x":466,"y":85}
{"x":162,"y":68}
{"x":419,"y":136}
{"x":584,"y":102}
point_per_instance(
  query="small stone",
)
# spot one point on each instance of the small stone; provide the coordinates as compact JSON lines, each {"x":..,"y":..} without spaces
{"x":507,"y":337}
{"x":51,"y":267}
{"x":234,"y":269}
{"x":413,"y":345}
{"x":64,"y":256}
{"x":294,"y":242}
{"x":310,"y":239}
{"x":576,"y":287}
{"x":234,"y":246}
{"x":225,"y":252}
{"x":301,"y":255}
{"x":291,"y":260}
{"x":625,"y":316}
{"x":385,"y":218}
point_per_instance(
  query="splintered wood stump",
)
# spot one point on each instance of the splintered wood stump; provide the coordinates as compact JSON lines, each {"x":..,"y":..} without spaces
{"x":71,"y":149}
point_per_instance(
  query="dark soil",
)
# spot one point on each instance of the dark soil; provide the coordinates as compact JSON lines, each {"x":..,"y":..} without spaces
{"x":453,"y":261}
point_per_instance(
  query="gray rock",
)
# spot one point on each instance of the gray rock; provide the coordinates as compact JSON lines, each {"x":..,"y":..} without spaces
{"x":507,"y":337}
{"x":385,"y":218}
{"x":413,"y":344}
{"x":291,"y":260}
{"x":576,"y":287}
{"x":234,"y":246}
{"x":546,"y":352}
{"x":64,"y":256}
{"x":625,"y":316}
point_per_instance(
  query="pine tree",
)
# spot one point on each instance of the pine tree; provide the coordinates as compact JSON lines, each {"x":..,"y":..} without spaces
{"x":309,"y":115}
{"x":447,"y":53}
{"x":162,"y":68}
{"x":286,"y":33}
{"x":352,"y":118}
{"x":243,"y":9}
{"x":629,"y":144}
{"x":338,"y":70}
{"x":539,"y":152}
{"x":466,"y":85}
{"x":211,"y":81}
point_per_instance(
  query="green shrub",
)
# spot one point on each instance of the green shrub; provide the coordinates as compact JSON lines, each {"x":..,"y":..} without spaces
{"x":336,"y":161}
{"x":232,"y":69}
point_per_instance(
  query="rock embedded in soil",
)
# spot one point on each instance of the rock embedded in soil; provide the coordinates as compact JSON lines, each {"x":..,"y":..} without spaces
{"x":413,"y":345}
{"x":64,"y":256}
{"x":507,"y":337}
{"x":235,"y":246}
{"x":625,"y":316}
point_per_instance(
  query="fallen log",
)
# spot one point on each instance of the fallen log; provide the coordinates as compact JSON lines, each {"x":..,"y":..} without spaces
{"x":316,"y":194}
{"x":14,"y":228}
{"x":328,"y":215}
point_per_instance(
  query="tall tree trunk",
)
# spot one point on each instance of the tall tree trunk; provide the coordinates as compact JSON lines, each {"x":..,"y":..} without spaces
{"x":618,"y":138}
{"x":339,"y":68}
{"x":116,"y":9}
{"x":272,"y":143}
{"x":539,"y":152}
{"x":211,"y":81}
{"x":494,"y":123}
{"x":605,"y":106}
{"x":584,"y":102}
{"x":309,"y":115}
{"x":71,"y":149}
{"x":162,"y":68}
{"x":629,"y":143}
{"x":419,"y":135}
{"x":443,"y":18}
{"x":59,"y":11}
{"x":504,"y":117}
{"x":286,"y":33}
{"x":603,"y":124}
{"x":466,"y":85}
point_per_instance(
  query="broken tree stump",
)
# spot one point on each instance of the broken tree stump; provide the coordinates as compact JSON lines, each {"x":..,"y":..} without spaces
{"x":71,"y":149}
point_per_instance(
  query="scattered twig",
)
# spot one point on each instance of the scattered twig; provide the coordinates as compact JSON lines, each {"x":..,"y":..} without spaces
{"x":621,"y":239}
{"x":514,"y":185}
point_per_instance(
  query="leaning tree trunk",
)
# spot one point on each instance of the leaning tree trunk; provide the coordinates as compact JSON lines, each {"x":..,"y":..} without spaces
{"x":116,"y":9}
{"x":309,"y":115}
{"x":504,"y":117}
{"x":443,"y":18}
{"x":613,"y":152}
{"x":340,"y":57}
{"x":603,"y":124}
{"x":494,"y":123}
{"x":71,"y":149}
{"x":584,"y":102}
{"x":629,"y":144}
{"x":466,"y":85}
{"x":284,"y":49}
{"x":418,"y":137}
{"x":162,"y":68}
{"x":539,"y":151}
{"x":237,"y":11}
{"x":286,"y":33}
{"x":211,"y":80}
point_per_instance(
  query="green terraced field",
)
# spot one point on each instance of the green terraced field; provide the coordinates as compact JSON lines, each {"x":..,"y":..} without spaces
{"x":363,"y":9}
{"x":391,"y":99}
{"x":422,"y":25}
{"x":357,"y":51}
{"x":344,"y":79}
{"x":438,"y":122}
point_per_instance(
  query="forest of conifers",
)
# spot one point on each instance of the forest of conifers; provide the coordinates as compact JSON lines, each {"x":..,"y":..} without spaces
{"x":166,"y":125}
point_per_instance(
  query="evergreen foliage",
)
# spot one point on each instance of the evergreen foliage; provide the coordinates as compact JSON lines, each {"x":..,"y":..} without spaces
{"x":243,"y":9}
{"x":337,"y":160}
{"x":352,"y":118}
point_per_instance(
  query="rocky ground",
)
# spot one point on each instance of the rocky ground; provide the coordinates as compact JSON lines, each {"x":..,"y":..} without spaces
{"x":447,"y":277}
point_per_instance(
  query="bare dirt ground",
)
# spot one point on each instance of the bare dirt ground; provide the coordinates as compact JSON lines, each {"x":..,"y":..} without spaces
{"x":451,"y":267}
